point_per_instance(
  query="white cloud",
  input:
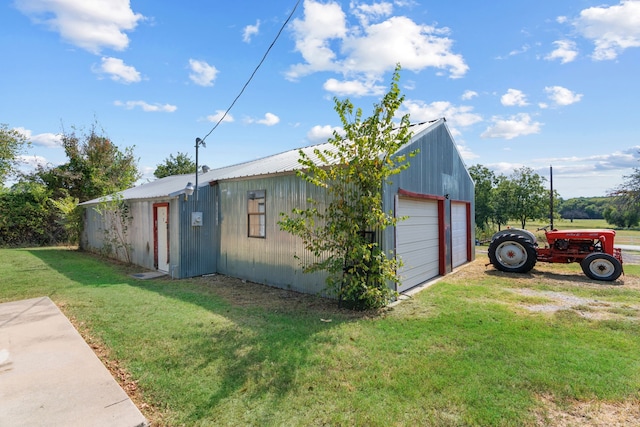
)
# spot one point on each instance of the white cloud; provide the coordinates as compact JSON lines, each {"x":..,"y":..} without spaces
{"x":466,"y":153}
{"x":91,"y":25}
{"x":320,"y":134}
{"x":353,"y":87}
{"x":375,"y":11}
{"x":611,"y":28}
{"x":130,"y":105}
{"x":202,"y":73}
{"x":469,"y":94}
{"x":215,"y":118}
{"x":50,"y":140}
{"x":269,"y":119}
{"x":457,"y":116}
{"x":400,"y":40}
{"x":562,"y":96}
{"x":313,"y":34}
{"x":514,"y":98}
{"x":118,"y":70}
{"x":518,"y":125}
{"x":32,"y":161}
{"x":565,"y":51}
{"x":327,"y":42}
{"x":611,"y":161}
{"x":250,"y":31}
{"x":525,"y":48}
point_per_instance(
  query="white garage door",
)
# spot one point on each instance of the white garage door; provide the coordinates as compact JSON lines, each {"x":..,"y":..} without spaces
{"x":417,"y":241}
{"x":459,"y":238}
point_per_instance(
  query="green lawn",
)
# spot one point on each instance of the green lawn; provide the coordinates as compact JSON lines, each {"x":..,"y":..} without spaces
{"x":465,"y":351}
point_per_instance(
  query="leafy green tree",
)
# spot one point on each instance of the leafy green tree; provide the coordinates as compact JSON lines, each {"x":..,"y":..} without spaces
{"x":179,"y":165}
{"x":618,"y":215}
{"x":584,"y":207}
{"x":96,"y":167}
{"x":12,"y":145}
{"x":353,"y":172}
{"x":484,"y":180}
{"x":621,"y":213}
{"x":501,"y":201}
{"x":28,"y":217}
{"x":529,"y":198}
{"x":70,"y":218}
{"x":625,"y":208}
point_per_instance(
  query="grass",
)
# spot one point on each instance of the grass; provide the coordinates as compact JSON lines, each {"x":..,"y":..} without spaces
{"x":463,"y":352}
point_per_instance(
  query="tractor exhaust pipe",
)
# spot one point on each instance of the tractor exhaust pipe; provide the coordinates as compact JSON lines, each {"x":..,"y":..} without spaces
{"x":551,"y":197}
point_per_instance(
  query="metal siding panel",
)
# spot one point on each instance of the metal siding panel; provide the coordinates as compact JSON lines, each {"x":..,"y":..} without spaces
{"x":418,"y":242}
{"x":437,"y":169}
{"x":459,"y":238}
{"x":270,"y":260}
{"x":197,"y":244}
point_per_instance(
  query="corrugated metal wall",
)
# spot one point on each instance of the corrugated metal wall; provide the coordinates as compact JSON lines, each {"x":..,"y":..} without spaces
{"x":270,"y":260}
{"x":221,"y":244}
{"x":198,"y":243}
{"x":139,"y":231}
{"x":438,"y":170}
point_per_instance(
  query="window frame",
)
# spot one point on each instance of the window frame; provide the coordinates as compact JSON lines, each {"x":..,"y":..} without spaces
{"x":256,"y":211}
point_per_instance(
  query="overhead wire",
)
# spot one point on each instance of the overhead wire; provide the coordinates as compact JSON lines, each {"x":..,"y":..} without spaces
{"x":264,"y":57}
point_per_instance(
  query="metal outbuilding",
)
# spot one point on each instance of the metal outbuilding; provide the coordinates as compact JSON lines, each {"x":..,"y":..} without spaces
{"x":229,"y":225}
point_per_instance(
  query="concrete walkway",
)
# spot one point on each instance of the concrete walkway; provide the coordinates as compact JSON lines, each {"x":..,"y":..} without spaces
{"x":49,"y":376}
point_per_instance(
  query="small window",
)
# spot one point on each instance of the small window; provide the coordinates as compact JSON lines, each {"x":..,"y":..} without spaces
{"x":256,"y":213}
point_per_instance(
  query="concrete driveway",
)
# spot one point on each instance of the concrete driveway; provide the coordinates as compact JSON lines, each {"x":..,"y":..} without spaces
{"x":49,"y":376}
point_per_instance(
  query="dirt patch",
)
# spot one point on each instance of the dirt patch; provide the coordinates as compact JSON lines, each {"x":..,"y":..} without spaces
{"x":242,"y":293}
{"x":588,"y":413}
{"x":554,"y":275}
{"x":586,"y":307}
{"x":545,"y":273}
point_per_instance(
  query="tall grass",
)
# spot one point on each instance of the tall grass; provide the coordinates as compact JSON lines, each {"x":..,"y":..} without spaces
{"x":462,"y":352}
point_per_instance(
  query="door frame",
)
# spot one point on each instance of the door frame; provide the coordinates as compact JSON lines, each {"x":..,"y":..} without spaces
{"x":156,"y":249}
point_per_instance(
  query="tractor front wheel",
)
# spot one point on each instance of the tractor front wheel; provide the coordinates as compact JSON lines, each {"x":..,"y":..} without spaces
{"x":512,"y":253}
{"x":601,"y":266}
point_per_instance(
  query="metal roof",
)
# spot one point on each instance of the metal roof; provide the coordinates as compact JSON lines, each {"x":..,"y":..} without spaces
{"x":173,"y":186}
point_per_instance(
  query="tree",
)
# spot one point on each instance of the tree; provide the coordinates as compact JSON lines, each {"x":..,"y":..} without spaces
{"x":626,"y":207}
{"x":179,"y":165}
{"x":12,"y":145}
{"x":584,"y":207}
{"x":529,"y":198}
{"x":28,"y":216}
{"x":501,"y":201}
{"x":621,"y":213}
{"x":96,"y":167}
{"x":341,"y":233}
{"x":484,"y":180}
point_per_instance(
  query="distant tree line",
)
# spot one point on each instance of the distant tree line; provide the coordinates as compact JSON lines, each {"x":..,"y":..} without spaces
{"x":522,"y":197}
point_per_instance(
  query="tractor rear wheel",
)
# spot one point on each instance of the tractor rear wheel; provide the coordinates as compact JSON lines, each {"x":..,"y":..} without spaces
{"x":601,"y":266}
{"x":512,"y":253}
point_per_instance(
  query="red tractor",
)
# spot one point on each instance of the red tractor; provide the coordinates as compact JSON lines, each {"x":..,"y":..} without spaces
{"x":516,"y":251}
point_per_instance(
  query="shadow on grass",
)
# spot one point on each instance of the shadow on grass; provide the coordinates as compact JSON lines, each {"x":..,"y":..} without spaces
{"x":249,"y":343}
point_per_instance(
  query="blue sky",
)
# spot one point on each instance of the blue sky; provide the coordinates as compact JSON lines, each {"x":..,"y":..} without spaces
{"x":520,"y":83}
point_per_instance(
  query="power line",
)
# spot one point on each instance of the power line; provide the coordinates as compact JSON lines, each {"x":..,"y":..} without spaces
{"x":254,"y":71}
